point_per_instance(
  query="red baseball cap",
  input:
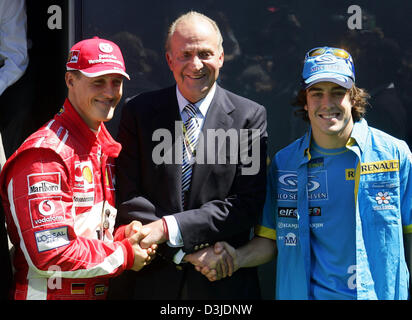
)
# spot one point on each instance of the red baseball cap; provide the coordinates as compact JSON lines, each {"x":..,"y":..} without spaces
{"x":95,"y":57}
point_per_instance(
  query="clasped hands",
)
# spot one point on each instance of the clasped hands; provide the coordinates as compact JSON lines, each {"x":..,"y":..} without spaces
{"x":214,"y":263}
{"x":135,"y":232}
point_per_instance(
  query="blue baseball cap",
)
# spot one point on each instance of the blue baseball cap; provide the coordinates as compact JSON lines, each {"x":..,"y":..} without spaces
{"x":328,"y":64}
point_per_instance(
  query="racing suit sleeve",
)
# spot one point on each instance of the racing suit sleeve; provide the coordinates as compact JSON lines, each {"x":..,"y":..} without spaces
{"x":406,"y":205}
{"x":40,"y":213}
{"x":406,"y":187}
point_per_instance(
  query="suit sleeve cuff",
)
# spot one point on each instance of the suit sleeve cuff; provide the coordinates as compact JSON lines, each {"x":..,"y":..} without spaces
{"x":175,"y":237}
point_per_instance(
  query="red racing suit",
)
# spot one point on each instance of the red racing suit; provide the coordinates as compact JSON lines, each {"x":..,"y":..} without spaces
{"x":58,"y":195}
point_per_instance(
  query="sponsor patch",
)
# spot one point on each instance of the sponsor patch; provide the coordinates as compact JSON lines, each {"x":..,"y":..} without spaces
{"x":288,"y":185}
{"x":287,"y":212}
{"x":315,"y":212}
{"x":383,"y":199}
{"x":291,"y":239}
{"x":316,"y":163}
{"x":110,"y":177}
{"x":44,"y":183}
{"x":380,"y":166}
{"x":83,"y":175}
{"x":293,"y":212}
{"x":51,"y":238}
{"x":283,"y":225}
{"x":44,"y":211}
{"x":350,"y":174}
{"x":83,"y":199}
{"x":78,"y":288}
{"x":105,"y":47}
{"x":73,"y":56}
{"x":99,"y":289}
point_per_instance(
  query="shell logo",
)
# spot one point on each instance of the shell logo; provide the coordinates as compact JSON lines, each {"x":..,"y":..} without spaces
{"x":87,"y":174}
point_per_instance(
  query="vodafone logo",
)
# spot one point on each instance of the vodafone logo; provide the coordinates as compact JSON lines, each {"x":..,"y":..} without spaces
{"x":47,"y":207}
{"x":45,"y":211}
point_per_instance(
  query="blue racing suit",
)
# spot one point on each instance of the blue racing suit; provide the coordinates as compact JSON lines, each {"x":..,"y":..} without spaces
{"x":383,"y":202}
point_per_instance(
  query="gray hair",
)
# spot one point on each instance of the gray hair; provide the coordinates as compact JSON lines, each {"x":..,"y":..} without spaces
{"x":187,"y":16}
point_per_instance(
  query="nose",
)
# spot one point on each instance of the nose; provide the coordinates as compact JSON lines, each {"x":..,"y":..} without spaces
{"x":326,"y":100}
{"x":111,"y":90}
{"x":196,"y":63}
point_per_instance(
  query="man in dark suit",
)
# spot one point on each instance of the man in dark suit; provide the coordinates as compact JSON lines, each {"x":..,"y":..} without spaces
{"x":194,"y":175}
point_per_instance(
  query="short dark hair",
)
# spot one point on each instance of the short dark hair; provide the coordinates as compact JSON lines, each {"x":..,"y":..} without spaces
{"x":76,"y":73}
{"x":358,"y":97}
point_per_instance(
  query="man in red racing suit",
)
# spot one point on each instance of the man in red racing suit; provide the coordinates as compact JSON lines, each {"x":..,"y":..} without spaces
{"x":58,"y":195}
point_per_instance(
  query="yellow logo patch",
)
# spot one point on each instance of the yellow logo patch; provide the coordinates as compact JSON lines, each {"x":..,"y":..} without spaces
{"x":373,"y":167}
{"x":380,"y":166}
{"x":350,"y":174}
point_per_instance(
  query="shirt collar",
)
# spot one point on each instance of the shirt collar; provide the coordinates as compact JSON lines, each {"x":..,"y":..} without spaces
{"x":359,"y":134}
{"x":358,"y":137}
{"x":202,"y":105}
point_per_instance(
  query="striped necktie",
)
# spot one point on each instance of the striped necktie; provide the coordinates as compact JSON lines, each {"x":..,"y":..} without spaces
{"x":191,"y":135}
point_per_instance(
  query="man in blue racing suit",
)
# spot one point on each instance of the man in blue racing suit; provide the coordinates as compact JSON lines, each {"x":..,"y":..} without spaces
{"x":338,"y":210}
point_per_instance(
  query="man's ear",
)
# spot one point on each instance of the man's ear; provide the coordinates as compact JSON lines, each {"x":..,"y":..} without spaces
{"x":221,"y":59}
{"x":169,"y":60}
{"x":68,"y":77}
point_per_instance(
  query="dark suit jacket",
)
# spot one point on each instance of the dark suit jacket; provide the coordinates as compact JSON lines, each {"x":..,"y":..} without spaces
{"x":223,"y":202}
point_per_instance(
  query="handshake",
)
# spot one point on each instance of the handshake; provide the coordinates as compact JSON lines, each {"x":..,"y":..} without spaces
{"x":214,"y":263}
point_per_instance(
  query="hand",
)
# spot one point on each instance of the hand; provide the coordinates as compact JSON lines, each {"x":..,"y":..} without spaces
{"x":214,"y":274}
{"x":135,"y":227}
{"x":155,"y":234}
{"x":142,"y":257}
{"x":132,"y":228}
{"x":215,"y":264}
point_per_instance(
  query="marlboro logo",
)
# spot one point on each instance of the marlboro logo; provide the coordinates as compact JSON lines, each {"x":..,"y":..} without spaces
{"x":44,"y":183}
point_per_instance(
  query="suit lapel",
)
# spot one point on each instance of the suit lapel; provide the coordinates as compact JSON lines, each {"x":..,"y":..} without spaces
{"x":165,"y":116}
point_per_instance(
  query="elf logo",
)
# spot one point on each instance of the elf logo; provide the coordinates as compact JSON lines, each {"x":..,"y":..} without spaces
{"x":287,"y":212}
{"x":293,"y":212}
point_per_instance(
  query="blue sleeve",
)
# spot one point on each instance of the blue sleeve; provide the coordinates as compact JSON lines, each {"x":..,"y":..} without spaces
{"x":406,"y":187}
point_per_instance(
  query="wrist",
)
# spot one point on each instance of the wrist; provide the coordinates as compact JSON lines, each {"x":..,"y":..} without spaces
{"x":165,"y":229}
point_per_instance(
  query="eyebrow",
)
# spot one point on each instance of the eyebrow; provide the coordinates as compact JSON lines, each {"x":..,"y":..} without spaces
{"x":337,"y":88}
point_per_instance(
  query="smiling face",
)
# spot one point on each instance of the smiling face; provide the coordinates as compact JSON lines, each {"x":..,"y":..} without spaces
{"x":330,"y":114}
{"x":194,"y":57}
{"x":94,"y":98}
